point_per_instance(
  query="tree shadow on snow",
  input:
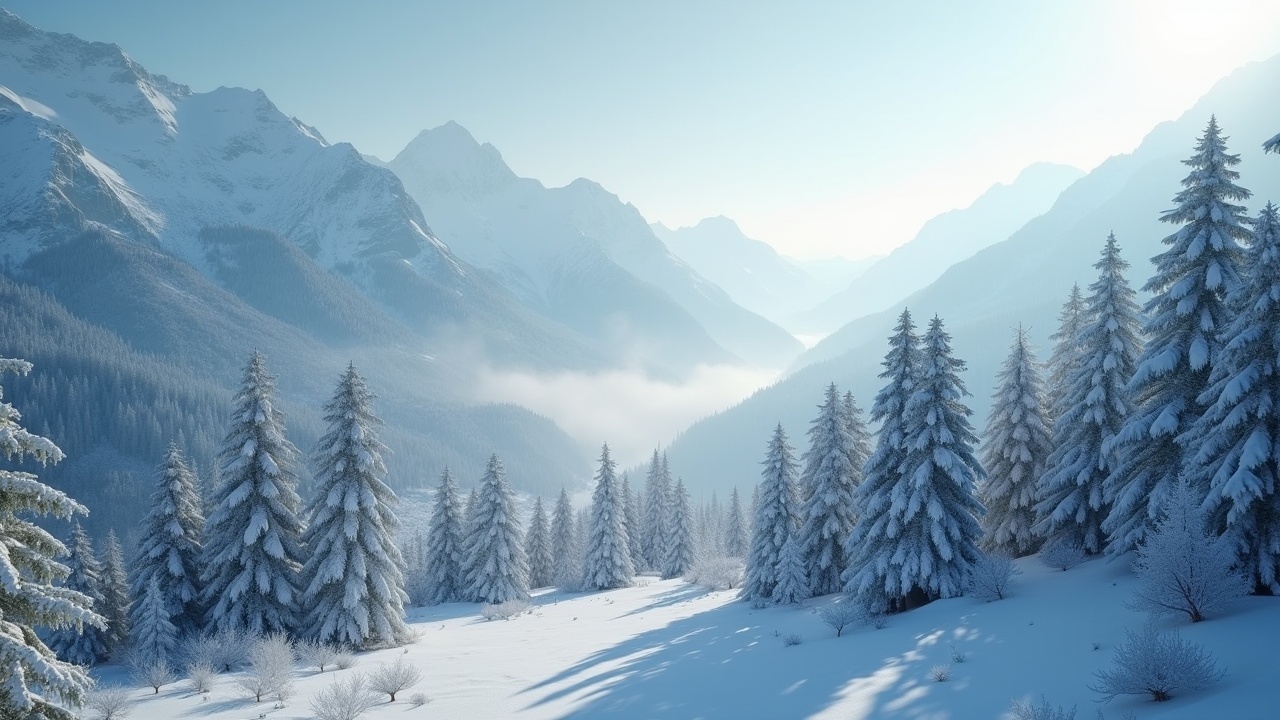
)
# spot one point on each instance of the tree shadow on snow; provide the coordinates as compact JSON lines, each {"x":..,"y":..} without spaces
{"x":729,"y":663}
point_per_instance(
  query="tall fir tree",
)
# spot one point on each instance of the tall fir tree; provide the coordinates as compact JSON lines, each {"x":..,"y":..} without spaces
{"x":883,"y":470}
{"x":170,"y":546}
{"x":155,"y":639}
{"x":1071,"y":501}
{"x":252,"y":548}
{"x":793,"y":577}
{"x":353,"y":581}
{"x":443,"y":551}
{"x":86,"y":644}
{"x":776,"y":519}
{"x":856,"y":426}
{"x":736,"y":538}
{"x":1066,"y":352}
{"x":657,"y":492}
{"x":1015,"y":448}
{"x":33,"y":681}
{"x":607,"y":563}
{"x":681,"y":545}
{"x":497,"y":569}
{"x":564,"y":545}
{"x":917,"y":540}
{"x":537,"y":547}
{"x":830,"y":477}
{"x":632,"y":516}
{"x":115,"y":592}
{"x":1185,"y":315}
{"x":1238,"y":460}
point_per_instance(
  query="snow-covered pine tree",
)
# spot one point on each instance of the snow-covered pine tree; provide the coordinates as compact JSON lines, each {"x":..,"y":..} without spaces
{"x":568,"y":575}
{"x":793,"y":580}
{"x":251,"y":553}
{"x":1066,"y":351}
{"x":632,"y":516}
{"x":353,"y":581}
{"x":1015,"y":448}
{"x":921,"y":535}
{"x":1237,"y":461}
{"x":735,"y":531}
{"x":657,"y":492}
{"x":171,"y":544}
{"x":497,"y":569}
{"x":607,"y":563}
{"x":830,"y":476}
{"x":1071,"y":502}
{"x":33,"y":681}
{"x":115,"y":593}
{"x":537,"y":547}
{"x":776,"y":519}
{"x":882,"y":471}
{"x":856,"y":426}
{"x":444,"y":557}
{"x":1185,"y":316}
{"x":681,"y":548}
{"x":86,"y":644}
{"x":154,"y":636}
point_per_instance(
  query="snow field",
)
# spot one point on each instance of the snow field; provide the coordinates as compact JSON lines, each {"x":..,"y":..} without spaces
{"x":667,"y":649}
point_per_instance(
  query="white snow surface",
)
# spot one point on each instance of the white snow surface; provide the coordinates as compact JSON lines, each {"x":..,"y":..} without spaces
{"x":670,"y":649}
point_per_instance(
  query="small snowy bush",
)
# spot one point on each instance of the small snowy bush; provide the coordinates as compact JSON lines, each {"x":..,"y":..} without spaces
{"x":957,"y":655}
{"x":792,"y":640}
{"x":940,"y":673}
{"x":201,"y":675}
{"x":1025,"y":710}
{"x":344,"y":699}
{"x":1156,"y":663}
{"x":316,"y":654}
{"x":154,"y":674}
{"x":345,"y":661}
{"x":843,"y":614}
{"x":991,"y":575}
{"x":224,"y":650}
{"x":109,"y":703}
{"x":270,"y":671}
{"x":391,"y":679}
{"x":1062,"y":554}
{"x":504,"y":610}
{"x":419,"y":699}
{"x":717,"y":572}
{"x":1183,"y":568}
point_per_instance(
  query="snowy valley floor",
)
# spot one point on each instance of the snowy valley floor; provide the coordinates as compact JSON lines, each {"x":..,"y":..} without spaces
{"x":667,"y":649}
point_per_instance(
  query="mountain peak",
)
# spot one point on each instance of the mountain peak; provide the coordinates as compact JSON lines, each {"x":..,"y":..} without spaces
{"x":450,"y":150}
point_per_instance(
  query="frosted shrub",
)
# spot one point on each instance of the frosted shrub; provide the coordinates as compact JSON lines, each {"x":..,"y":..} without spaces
{"x":345,"y":661}
{"x":391,"y":679}
{"x":154,"y":674}
{"x":504,"y":610}
{"x":717,"y":572}
{"x":1062,"y":554}
{"x":344,"y":699}
{"x":419,"y":699}
{"x":842,"y":614}
{"x":792,"y":640}
{"x":940,"y":673}
{"x":1184,"y":569}
{"x":991,"y":576}
{"x":1156,"y":663}
{"x":1025,"y":710}
{"x":109,"y":703}
{"x":201,"y":675}
{"x":270,"y":671}
{"x":316,"y":654}
{"x":224,"y":650}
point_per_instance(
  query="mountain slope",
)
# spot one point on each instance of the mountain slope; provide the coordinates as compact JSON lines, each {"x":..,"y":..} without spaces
{"x":1023,"y":280}
{"x":553,"y":245}
{"x":942,"y":242}
{"x":750,"y":271}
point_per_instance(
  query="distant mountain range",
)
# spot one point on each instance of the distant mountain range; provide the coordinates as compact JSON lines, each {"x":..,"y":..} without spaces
{"x":1021,"y":280}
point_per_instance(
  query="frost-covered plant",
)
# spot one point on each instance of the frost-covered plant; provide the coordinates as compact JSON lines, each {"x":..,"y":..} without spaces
{"x":1062,"y":554}
{"x":1183,"y":568}
{"x":842,"y":614}
{"x":419,"y":699}
{"x":391,"y":679}
{"x":1156,"y":663}
{"x":224,"y":650}
{"x":717,"y":572}
{"x":270,"y":671}
{"x":607,"y":562}
{"x":345,"y":661}
{"x":991,"y":575}
{"x":201,"y":676}
{"x":792,"y":639}
{"x":109,"y":703}
{"x":1026,"y":710}
{"x":316,"y":654}
{"x":940,"y":673}
{"x":154,"y":673}
{"x":504,"y":610}
{"x":344,"y":699}
{"x":957,"y":655}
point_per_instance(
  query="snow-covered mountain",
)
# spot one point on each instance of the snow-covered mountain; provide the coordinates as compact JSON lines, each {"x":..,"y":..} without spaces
{"x":751,"y":271}
{"x":577,"y":253}
{"x":941,"y":242}
{"x":1022,"y":280}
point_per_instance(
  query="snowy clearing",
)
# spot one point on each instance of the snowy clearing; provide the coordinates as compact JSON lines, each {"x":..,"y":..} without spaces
{"x":670,"y":649}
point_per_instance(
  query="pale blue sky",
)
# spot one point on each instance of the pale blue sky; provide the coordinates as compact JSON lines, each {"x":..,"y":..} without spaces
{"x":823,"y":127}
